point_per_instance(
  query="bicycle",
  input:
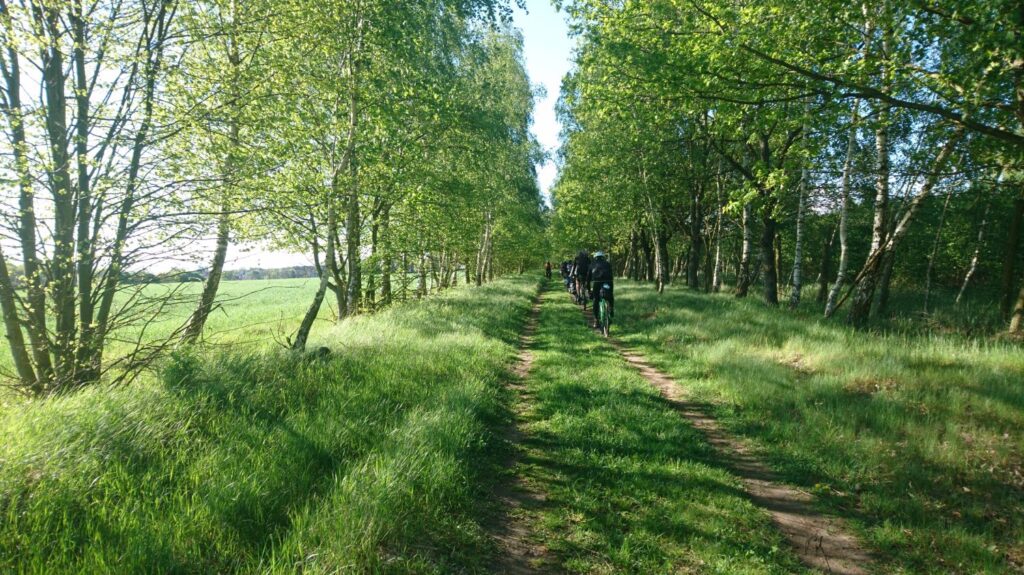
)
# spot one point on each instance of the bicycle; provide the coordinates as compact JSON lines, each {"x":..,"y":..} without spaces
{"x":604,"y":312}
{"x":581,"y":293}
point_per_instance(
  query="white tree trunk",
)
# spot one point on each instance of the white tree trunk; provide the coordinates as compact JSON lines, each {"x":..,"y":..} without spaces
{"x":844,"y":210}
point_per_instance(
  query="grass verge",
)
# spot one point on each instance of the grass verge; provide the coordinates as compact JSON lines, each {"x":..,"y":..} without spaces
{"x":630,"y":486}
{"x":917,"y":439}
{"x":373,"y":459}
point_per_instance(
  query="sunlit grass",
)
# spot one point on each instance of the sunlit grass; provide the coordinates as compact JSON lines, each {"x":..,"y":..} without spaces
{"x":916,"y":438}
{"x":374,"y":459}
{"x":257,"y":313}
{"x":630,"y":486}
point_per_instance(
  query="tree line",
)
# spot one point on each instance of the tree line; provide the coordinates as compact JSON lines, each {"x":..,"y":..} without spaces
{"x":851,"y":147}
{"x":373,"y":135}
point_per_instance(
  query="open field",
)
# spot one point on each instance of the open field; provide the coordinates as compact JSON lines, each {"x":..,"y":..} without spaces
{"x":259,"y":314}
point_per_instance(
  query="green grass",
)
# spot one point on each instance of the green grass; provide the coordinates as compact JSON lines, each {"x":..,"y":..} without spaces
{"x":917,"y":439}
{"x":257,"y":314}
{"x":630,"y":486}
{"x":252,"y":313}
{"x":375,"y":459}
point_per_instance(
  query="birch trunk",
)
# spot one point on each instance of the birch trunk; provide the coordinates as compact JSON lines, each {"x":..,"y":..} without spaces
{"x":661,"y":269}
{"x":768,"y":261}
{"x":743,"y":280}
{"x":194,"y":330}
{"x":696,"y":241}
{"x":867,"y":279}
{"x":352,"y":216}
{"x":844,"y":210}
{"x":973,"y":267}
{"x":314,"y":308}
{"x":798,"y":250}
{"x":198,"y":320}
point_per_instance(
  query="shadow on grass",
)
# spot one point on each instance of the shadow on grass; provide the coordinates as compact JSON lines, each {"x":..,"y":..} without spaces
{"x":632,"y":488}
{"x":915,"y":437}
{"x":210,"y":471}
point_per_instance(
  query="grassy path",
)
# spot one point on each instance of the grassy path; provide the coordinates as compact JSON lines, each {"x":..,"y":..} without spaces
{"x":630,"y":487}
{"x":914,"y":439}
{"x":820,"y":541}
{"x":520,"y":553}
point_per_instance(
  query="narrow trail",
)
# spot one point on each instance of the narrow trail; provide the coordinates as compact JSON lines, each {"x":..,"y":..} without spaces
{"x":821,"y":542}
{"x":520,"y":553}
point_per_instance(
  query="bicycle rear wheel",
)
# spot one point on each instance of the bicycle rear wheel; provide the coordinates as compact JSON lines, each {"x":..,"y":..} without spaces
{"x":605,"y":318}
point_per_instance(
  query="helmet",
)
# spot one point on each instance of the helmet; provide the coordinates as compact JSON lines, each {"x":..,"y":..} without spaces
{"x":598,"y":254}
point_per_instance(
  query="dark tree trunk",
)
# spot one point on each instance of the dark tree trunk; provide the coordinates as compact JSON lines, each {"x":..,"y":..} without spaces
{"x":648,"y":257}
{"x":386,"y":261}
{"x":421,"y":289}
{"x":825,"y":270}
{"x":62,"y":268}
{"x":1010,"y":257}
{"x":884,"y":283}
{"x":768,"y":258}
{"x":12,"y":327}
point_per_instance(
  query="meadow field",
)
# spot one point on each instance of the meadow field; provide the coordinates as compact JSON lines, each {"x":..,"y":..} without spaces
{"x":250,"y":458}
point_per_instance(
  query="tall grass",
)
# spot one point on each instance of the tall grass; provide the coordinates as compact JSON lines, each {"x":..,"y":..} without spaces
{"x":371,"y":459}
{"x":915,"y":437}
{"x":630,"y":486}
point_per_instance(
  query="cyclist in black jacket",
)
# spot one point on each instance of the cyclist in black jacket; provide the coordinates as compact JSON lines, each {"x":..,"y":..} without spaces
{"x":601,"y":275}
{"x":581,"y":273}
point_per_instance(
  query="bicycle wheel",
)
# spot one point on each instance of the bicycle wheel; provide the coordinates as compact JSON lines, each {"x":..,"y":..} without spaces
{"x":606,"y":320}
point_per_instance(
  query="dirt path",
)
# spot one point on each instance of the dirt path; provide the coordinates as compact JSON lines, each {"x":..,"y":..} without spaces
{"x":520,"y":554}
{"x":820,"y":541}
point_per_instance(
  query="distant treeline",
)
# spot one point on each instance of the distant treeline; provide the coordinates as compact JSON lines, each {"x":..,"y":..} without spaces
{"x":178,"y":275}
{"x":184,"y":276}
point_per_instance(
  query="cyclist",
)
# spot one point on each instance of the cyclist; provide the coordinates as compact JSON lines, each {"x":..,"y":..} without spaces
{"x":601,"y":275}
{"x":566,"y":269}
{"x":581,"y":273}
{"x":547,"y":270}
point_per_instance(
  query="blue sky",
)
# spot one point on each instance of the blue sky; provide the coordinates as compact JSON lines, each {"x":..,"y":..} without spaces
{"x":548,"y":51}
